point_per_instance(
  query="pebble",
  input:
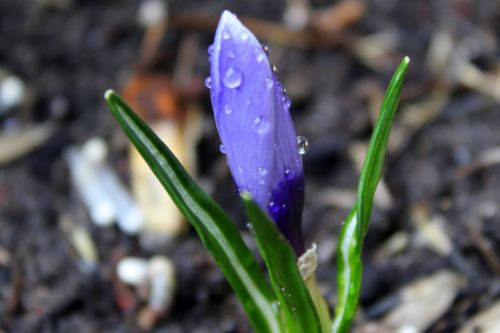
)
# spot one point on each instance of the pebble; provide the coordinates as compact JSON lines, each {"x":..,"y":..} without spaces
{"x":12,"y":93}
{"x":152,"y":12}
{"x":132,"y":271}
{"x":101,"y":190}
{"x":161,"y":273}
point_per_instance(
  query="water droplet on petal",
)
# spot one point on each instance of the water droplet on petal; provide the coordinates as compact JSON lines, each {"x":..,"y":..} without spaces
{"x":259,"y":54}
{"x":208,"y":82}
{"x":261,"y":125}
{"x":261,"y":172}
{"x":222,"y":148}
{"x":240,"y":169}
{"x":288,"y":101}
{"x":233,"y":77}
{"x":269,"y":83}
{"x":266,"y":49}
{"x":289,"y":174}
{"x":228,"y":109}
{"x":231,"y":54}
{"x":275,"y":70}
{"x":226,"y":35}
{"x":273,"y":207}
{"x":302,"y":144}
{"x":244,"y":35}
{"x":211,"y":49}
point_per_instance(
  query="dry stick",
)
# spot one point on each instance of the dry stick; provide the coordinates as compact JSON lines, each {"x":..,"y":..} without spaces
{"x":484,"y":246}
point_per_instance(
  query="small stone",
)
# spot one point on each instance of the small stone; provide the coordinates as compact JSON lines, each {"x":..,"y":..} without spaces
{"x":12,"y":93}
{"x":132,"y":271}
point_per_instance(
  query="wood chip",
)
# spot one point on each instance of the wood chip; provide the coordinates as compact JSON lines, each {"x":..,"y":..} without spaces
{"x":178,"y":123}
{"x":424,"y":301}
{"x":16,"y":145}
{"x":338,"y":16}
{"x":487,"y":321}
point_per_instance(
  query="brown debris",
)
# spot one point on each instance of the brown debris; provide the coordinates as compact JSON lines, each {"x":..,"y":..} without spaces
{"x":338,"y":16}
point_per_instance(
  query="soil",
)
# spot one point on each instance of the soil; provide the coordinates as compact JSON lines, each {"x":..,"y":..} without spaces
{"x":67,"y":55}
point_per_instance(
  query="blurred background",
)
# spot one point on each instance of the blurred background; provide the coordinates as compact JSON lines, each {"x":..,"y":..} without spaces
{"x":89,"y":241}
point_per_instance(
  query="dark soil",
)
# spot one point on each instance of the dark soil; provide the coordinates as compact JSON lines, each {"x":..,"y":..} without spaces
{"x":75,"y":52}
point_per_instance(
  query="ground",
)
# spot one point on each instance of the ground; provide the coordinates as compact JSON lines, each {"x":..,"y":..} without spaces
{"x":439,"y":211}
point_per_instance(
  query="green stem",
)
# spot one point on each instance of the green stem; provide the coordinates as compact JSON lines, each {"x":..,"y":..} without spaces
{"x":319,"y":302}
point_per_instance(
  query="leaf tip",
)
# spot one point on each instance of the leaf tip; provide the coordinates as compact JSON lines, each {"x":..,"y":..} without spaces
{"x":109,"y":95}
{"x":246,"y":196}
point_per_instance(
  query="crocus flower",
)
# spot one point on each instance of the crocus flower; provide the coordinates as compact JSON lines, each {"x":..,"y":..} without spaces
{"x":253,"y":120}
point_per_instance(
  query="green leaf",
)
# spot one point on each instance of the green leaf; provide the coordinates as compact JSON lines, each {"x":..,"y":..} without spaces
{"x":349,"y":273}
{"x":349,"y":249}
{"x":295,"y":301}
{"x":214,"y":227}
{"x":374,"y":161}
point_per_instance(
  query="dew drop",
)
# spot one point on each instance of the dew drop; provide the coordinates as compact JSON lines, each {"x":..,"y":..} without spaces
{"x":260,"y":125}
{"x":275,"y":70}
{"x":288,"y":101}
{"x":233,"y":78}
{"x":231,"y":54}
{"x":261,"y":175}
{"x":266,"y":49}
{"x":211,"y":49}
{"x":250,"y":228}
{"x":288,"y":174}
{"x":228,"y":109}
{"x":261,"y":172}
{"x":259,"y":54}
{"x":302,"y":144}
{"x":240,"y":169}
{"x":244,"y":35}
{"x":226,"y":35}
{"x":269,"y":83}
{"x":274,"y":207}
{"x":222,"y":148}
{"x":208,"y":82}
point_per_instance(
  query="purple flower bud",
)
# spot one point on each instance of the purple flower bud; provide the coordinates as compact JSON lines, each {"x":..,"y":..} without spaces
{"x":254,"y":124}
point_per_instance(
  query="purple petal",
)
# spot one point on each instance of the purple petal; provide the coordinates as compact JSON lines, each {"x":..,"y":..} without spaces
{"x":254,"y":124}
{"x":243,"y":105}
{"x":287,"y":194}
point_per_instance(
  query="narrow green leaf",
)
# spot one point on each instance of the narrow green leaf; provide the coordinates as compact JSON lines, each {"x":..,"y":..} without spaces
{"x":374,"y":161}
{"x":295,"y":301}
{"x":349,"y":249}
{"x":214,"y":227}
{"x":349,"y":273}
